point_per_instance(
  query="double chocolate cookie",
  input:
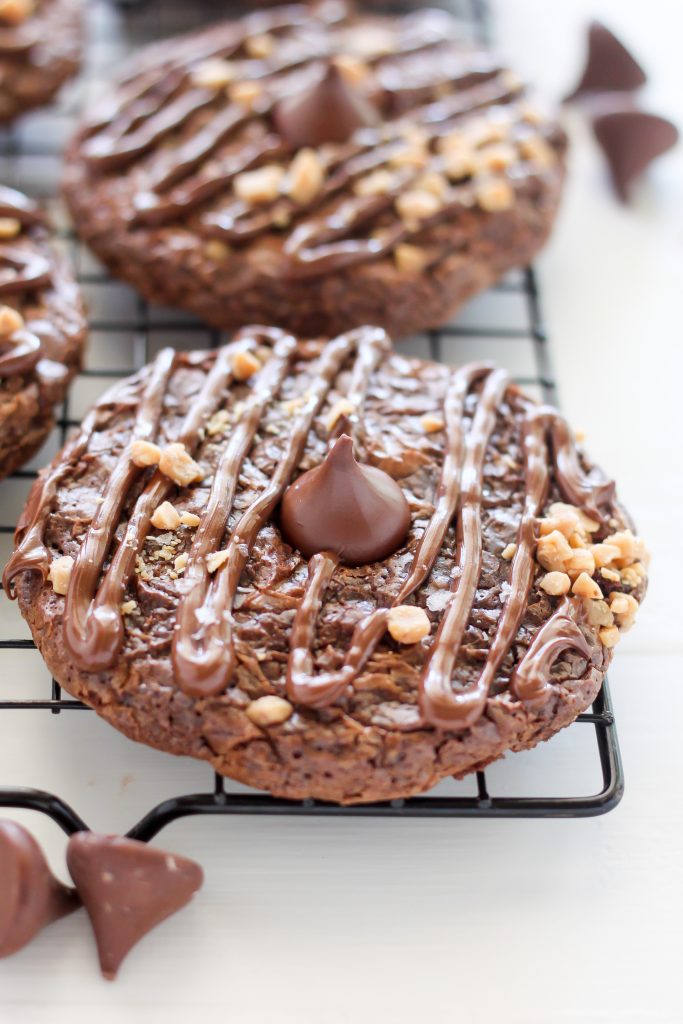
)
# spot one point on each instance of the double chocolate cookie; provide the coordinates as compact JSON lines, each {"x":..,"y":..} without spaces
{"x":40,"y":48}
{"x":42,"y":329}
{"x":317,"y":170}
{"x":326,"y":569}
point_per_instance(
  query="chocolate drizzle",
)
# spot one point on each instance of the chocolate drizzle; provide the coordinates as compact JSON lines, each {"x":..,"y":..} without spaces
{"x":305,"y":100}
{"x":203,"y":654}
{"x":19,"y":353}
{"x":460,"y":489}
{"x":591,"y":491}
{"x":440,"y":703}
{"x":318,"y":690}
{"x":531,"y":680}
{"x":22,"y":270}
{"x":82,"y":611}
{"x":30,"y":553}
{"x":16,"y":204}
{"x":103,"y":634}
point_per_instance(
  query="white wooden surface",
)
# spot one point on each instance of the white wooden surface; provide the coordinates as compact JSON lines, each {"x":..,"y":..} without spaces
{"x":527,"y":922}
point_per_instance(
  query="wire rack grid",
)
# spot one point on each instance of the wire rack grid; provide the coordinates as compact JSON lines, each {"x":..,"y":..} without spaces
{"x":126,"y":331}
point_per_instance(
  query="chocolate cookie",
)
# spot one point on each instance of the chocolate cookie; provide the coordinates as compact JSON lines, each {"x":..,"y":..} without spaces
{"x":158,"y":565}
{"x":316,"y":170}
{"x":40,"y":48}
{"x":42,"y":329}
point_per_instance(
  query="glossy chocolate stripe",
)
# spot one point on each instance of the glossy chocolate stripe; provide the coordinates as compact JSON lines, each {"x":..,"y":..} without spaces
{"x":30,"y":552}
{"x":312,"y":260}
{"x":148,"y":97}
{"x":438,"y":701}
{"x":19,"y":353}
{"x":115,"y":115}
{"x":104,"y":633}
{"x":369,"y":151}
{"x":470,"y":703}
{"x":304,"y":685}
{"x":374,"y":345}
{"x":25,"y":269}
{"x":531,"y":681}
{"x":22,"y":269}
{"x":154,"y":209}
{"x":592,"y":490}
{"x":94,"y":549}
{"x":16,"y":204}
{"x":321,"y":245}
{"x":448,"y":492}
{"x":100,"y":151}
{"x":200,"y":147}
{"x":198,"y":649}
{"x":203,"y":653}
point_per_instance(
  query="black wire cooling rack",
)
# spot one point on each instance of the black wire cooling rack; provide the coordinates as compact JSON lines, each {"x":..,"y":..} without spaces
{"x":123,"y":322}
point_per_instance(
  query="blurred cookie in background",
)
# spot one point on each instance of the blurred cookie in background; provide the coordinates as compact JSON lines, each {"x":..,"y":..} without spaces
{"x":42,"y":329}
{"x":40,"y":48}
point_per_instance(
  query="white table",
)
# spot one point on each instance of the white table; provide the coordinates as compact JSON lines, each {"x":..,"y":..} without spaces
{"x":535,"y":922}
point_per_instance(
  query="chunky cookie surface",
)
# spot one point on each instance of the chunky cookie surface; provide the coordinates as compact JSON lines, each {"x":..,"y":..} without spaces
{"x":42,"y":329}
{"x":317,"y":170}
{"x":40,"y":48}
{"x":154,"y":568}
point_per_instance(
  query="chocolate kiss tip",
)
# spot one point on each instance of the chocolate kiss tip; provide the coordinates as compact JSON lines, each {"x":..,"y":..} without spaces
{"x":631,"y":140}
{"x":609,"y":65}
{"x":330,"y":110}
{"x":357,"y":512}
{"x":30,"y":896}
{"x":128,"y":888}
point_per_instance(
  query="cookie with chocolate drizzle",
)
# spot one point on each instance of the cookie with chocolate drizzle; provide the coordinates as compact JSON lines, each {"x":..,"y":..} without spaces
{"x":42,"y":329}
{"x":40,"y":48}
{"x":329,"y":570}
{"x":316,"y":169}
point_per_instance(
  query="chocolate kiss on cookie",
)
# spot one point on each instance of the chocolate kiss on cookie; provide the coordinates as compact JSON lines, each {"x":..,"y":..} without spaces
{"x":609,"y":65}
{"x":631,"y":140}
{"x":128,"y":888}
{"x":330,"y":110}
{"x":30,"y":896}
{"x":358,"y":512}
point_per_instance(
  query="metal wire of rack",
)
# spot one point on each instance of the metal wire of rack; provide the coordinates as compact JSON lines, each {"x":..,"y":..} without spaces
{"x":139,"y":325}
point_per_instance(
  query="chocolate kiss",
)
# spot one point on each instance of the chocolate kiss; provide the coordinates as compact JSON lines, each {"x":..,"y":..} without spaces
{"x":358,"y":512}
{"x":330,"y":110}
{"x":609,"y":66}
{"x":631,"y":140}
{"x":30,"y":895}
{"x":128,"y":888}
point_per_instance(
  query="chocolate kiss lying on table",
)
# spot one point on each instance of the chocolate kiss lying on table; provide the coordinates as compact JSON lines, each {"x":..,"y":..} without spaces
{"x":327,"y":569}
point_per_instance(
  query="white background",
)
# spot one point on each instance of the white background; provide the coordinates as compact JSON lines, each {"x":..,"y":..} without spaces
{"x":536,"y":922}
